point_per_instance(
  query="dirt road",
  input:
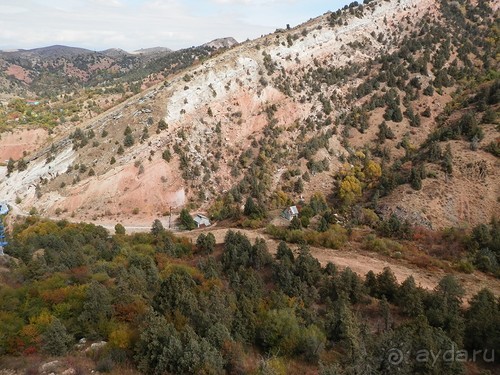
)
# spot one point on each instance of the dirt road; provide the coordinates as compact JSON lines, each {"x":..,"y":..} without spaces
{"x":357,"y":260}
{"x":362,"y":261}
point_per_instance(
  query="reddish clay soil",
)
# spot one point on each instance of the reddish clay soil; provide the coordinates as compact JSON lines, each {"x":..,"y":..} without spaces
{"x":15,"y":144}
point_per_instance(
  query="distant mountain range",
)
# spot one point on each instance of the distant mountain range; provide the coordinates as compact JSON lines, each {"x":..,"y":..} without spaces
{"x":58,"y":50}
{"x":37,"y":71}
{"x":152,"y":50}
{"x":49,"y":52}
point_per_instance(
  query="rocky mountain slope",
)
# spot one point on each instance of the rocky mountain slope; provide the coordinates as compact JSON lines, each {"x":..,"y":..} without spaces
{"x":355,"y":104}
{"x":49,"y":71}
{"x":221,"y":43}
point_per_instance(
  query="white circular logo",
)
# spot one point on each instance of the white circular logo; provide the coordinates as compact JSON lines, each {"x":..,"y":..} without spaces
{"x":395,"y":356}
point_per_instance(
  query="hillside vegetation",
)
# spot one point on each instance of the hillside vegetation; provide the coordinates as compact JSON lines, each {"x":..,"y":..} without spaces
{"x":385,"y":106}
{"x":166,"y":305}
{"x":379,"y":122}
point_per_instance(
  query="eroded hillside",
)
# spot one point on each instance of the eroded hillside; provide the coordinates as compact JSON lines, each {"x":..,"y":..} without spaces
{"x":353,"y":96}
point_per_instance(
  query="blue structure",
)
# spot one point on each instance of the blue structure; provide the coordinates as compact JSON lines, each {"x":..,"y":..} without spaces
{"x":4,"y":209}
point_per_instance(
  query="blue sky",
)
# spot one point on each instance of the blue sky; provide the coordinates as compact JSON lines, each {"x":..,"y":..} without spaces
{"x":134,"y":24}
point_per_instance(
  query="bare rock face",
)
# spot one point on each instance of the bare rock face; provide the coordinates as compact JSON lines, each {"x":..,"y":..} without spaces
{"x":221,"y":43}
{"x":50,"y":367}
{"x":57,"y":368}
{"x":95,"y":347}
{"x":414,"y":217}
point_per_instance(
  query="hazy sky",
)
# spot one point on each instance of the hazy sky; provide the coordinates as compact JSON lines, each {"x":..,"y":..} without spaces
{"x":134,"y":24}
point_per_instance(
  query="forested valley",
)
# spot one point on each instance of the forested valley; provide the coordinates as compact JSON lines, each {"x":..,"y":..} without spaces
{"x":164,"y":304}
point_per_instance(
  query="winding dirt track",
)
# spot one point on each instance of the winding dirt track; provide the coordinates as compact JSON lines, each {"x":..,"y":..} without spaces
{"x":359,"y":261}
{"x":362,"y":261}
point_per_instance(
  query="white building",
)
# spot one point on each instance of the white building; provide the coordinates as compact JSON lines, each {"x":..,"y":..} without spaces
{"x":201,"y":221}
{"x":290,"y":213}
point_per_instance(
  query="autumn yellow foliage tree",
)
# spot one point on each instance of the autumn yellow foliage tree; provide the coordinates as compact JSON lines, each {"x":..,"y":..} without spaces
{"x":350,"y":190}
{"x":373,"y":171}
{"x":121,"y":337}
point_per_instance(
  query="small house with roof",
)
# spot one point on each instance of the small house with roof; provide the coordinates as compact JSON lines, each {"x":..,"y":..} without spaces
{"x":290,"y":212}
{"x":201,"y":221}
